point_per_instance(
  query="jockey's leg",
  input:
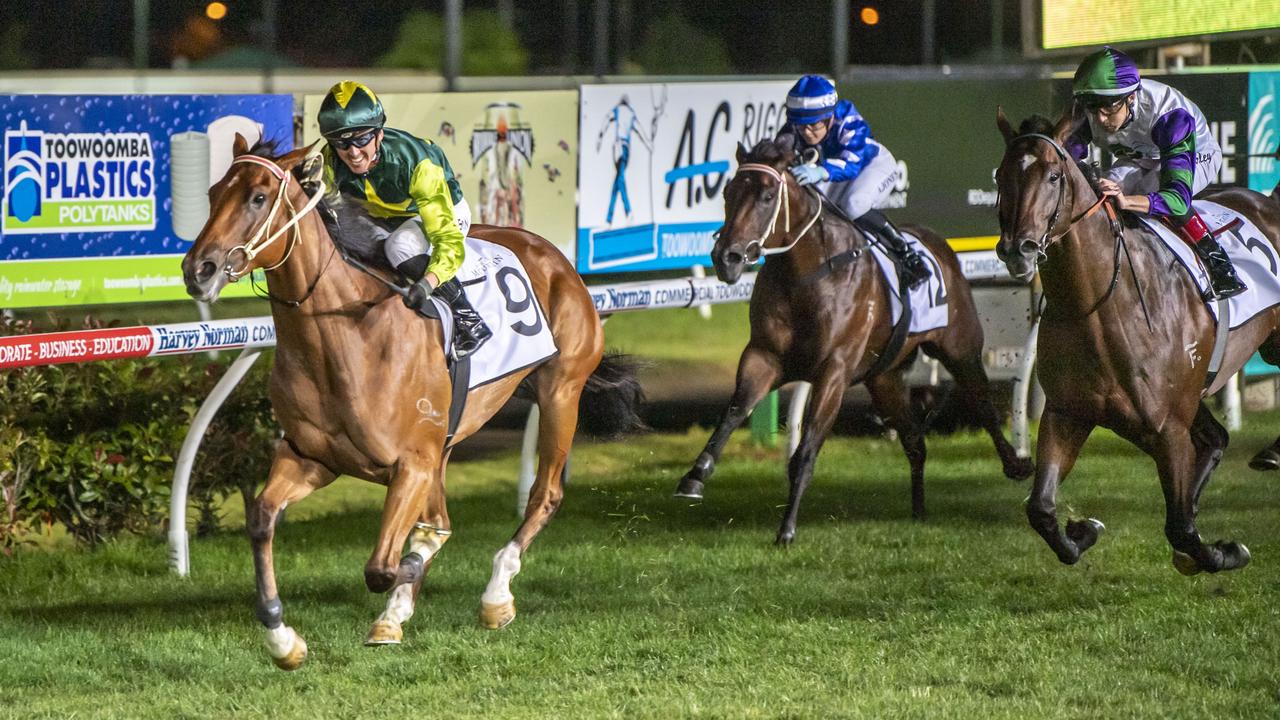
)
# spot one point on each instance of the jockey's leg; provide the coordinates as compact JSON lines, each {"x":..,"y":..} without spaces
{"x":1222,"y":275}
{"x":914,"y":267}
{"x":869,"y":190}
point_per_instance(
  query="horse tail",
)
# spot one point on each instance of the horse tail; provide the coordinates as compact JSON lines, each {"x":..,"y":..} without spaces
{"x":611,"y":399}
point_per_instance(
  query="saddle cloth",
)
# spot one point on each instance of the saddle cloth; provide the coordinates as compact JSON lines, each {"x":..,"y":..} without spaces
{"x":929,"y":309}
{"x":1254,"y":258}
{"x":498,"y":287}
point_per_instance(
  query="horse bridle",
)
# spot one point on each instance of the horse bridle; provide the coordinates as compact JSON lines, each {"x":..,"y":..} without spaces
{"x":778,"y":208}
{"x":1043,"y":243}
{"x":258,"y":243}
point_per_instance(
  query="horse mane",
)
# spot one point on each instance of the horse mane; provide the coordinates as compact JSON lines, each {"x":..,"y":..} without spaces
{"x":770,"y":151}
{"x":268,"y":148}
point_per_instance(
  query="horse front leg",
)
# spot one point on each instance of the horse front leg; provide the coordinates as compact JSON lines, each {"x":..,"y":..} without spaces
{"x":292,"y":478}
{"x":889,"y":398}
{"x":1057,"y":448}
{"x":819,"y":416}
{"x":411,"y":484}
{"x":758,"y":373}
{"x":1184,"y":465}
{"x":428,"y":536}
{"x":557,"y":421}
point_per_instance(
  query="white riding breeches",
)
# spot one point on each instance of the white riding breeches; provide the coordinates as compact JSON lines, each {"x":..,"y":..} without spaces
{"x":869,"y":190}
{"x":409,"y":241}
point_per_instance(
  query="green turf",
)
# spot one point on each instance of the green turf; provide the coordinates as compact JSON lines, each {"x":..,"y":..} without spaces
{"x":633,"y":604}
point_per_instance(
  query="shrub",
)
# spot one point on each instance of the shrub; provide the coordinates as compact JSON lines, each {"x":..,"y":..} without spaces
{"x":91,"y":446}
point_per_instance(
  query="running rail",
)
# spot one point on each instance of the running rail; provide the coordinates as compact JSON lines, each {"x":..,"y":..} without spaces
{"x":252,"y":335}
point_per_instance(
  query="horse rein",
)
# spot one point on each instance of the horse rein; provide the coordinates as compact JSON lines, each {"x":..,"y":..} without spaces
{"x":257,"y":243}
{"x":777,"y":208}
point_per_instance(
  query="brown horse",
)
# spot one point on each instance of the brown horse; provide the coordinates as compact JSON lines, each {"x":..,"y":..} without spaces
{"x":360,"y":385}
{"x":1126,"y":348}
{"x":820,"y":313}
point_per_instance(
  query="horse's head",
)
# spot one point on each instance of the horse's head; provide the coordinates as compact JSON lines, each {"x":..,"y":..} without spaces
{"x":250,"y":210}
{"x":1035,"y":191}
{"x":760,"y":192}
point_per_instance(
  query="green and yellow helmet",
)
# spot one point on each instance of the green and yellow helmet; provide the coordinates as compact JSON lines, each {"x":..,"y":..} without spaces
{"x":350,"y":109}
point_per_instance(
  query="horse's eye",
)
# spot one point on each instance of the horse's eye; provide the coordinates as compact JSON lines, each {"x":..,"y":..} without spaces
{"x":1055,"y":177}
{"x":259,"y":199}
{"x":766,"y":195}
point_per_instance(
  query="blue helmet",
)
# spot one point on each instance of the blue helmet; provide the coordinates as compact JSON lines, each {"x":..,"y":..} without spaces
{"x":812,"y":99}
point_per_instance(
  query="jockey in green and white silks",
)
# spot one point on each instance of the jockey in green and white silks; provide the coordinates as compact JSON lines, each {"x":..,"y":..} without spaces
{"x":388,"y":175}
{"x":1164,"y":151}
{"x":853,"y":170}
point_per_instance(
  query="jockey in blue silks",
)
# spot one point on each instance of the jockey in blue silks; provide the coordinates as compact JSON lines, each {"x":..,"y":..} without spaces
{"x":853,"y":170}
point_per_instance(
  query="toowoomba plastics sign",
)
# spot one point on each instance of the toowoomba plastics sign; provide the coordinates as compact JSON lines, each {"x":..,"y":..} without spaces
{"x":102,"y":195}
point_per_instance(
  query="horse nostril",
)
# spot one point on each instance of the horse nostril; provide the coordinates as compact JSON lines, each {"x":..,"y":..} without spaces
{"x":1028,"y":247}
{"x":733,"y":258}
{"x":206,"y":270}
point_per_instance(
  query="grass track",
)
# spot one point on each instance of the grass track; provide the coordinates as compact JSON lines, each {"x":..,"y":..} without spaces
{"x":635,"y":605}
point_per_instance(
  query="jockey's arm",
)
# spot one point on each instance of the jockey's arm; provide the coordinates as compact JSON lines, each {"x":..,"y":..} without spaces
{"x":430,"y":192}
{"x":855,"y":153}
{"x":1175,"y":134}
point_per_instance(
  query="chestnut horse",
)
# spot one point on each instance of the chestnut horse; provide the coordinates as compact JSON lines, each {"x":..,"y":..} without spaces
{"x":360,"y":385}
{"x":820,"y":313}
{"x":1125,"y":340}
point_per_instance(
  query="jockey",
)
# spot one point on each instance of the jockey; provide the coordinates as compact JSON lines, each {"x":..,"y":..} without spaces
{"x":407,"y":183}
{"x":853,"y":170}
{"x":1164,"y":152}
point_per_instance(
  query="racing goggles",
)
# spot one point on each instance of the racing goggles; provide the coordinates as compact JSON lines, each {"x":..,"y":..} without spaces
{"x":1104,"y":104}
{"x":357,"y":141}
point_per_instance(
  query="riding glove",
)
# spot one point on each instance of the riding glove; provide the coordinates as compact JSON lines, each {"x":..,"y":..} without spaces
{"x":809,"y":174}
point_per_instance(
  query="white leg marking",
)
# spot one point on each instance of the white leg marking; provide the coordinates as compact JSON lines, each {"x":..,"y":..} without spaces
{"x":505,"y":566}
{"x":425,"y":541}
{"x":280,"y":641}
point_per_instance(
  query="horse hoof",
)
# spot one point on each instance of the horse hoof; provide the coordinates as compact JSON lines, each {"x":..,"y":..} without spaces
{"x":289,"y":657}
{"x":384,"y":632}
{"x":1084,"y":533}
{"x":785,"y":539}
{"x":1020,"y":469}
{"x":689,"y":487}
{"x":1265,"y":460}
{"x":497,"y":616}
{"x":1185,"y":564}
{"x":1234,"y":555}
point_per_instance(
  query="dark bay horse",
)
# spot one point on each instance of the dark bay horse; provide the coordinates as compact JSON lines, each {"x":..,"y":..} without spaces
{"x":360,"y":385}
{"x":1125,"y":340}
{"x":820,"y":313}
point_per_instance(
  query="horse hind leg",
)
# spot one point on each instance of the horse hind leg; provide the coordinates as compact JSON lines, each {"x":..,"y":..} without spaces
{"x":291,"y":479}
{"x":428,"y":536}
{"x":974,"y":386}
{"x":889,"y":398}
{"x":758,"y":373}
{"x":557,"y":401}
{"x":820,"y":415}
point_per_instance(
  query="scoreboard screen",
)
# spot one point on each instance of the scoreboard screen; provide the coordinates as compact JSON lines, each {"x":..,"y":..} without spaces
{"x":1066,"y":24}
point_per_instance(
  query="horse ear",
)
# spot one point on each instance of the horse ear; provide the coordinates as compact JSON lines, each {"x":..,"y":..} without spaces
{"x":311,"y":169}
{"x":742,"y":152}
{"x":239,"y":146}
{"x":1065,"y":126}
{"x":1006,"y":129}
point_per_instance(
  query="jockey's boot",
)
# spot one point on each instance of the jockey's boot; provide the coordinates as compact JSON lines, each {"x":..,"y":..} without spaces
{"x":914,"y":269}
{"x":1223,"y":282}
{"x":469,"y":330}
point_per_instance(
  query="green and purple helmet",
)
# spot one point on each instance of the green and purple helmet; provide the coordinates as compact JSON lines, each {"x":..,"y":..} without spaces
{"x":1108,"y":73}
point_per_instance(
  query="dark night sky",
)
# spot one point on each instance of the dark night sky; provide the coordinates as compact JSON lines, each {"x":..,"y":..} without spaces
{"x":761,"y":37}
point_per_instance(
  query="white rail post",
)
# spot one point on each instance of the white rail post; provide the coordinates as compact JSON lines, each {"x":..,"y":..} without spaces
{"x":704,"y":309}
{"x":528,"y":459}
{"x":795,"y":415}
{"x":179,"y":555}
